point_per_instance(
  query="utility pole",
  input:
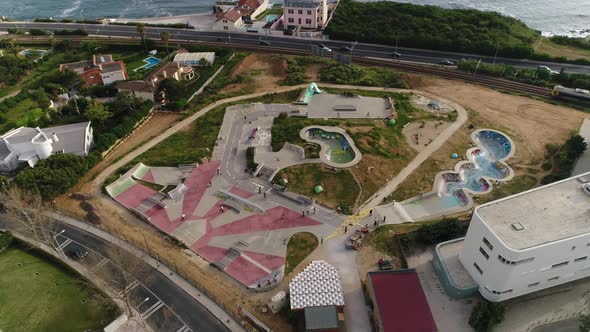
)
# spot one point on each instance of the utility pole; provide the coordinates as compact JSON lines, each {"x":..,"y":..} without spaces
{"x":396,"y":40}
{"x":496,"y":54}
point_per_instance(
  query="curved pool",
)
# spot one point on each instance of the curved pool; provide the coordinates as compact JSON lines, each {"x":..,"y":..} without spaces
{"x":485,"y":165}
{"x":337,"y":147}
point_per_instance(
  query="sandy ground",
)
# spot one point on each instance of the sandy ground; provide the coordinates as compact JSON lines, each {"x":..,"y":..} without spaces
{"x":531,"y":124}
{"x":264,"y":71}
{"x":530,"y":121}
{"x":204,"y":21}
{"x":367,"y":260}
{"x":424,"y":103}
{"x":425,"y":132}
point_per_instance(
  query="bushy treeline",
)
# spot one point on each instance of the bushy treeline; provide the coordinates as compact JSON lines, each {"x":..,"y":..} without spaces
{"x":13,"y":68}
{"x":564,"y":158}
{"x":532,"y":76}
{"x":431,"y":27}
{"x":433,"y":233}
{"x":569,"y":41}
{"x":357,"y":75}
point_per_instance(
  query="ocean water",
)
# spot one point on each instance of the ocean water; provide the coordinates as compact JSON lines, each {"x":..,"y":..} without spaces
{"x":570,"y":17}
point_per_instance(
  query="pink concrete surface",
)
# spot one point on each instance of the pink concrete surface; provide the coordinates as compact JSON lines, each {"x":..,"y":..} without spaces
{"x":135,"y":195}
{"x":271,"y":262}
{"x":212,"y":254}
{"x":198,"y":183}
{"x":244,"y":271}
{"x":241,"y":192}
{"x":149,"y":177}
{"x":275,"y":218}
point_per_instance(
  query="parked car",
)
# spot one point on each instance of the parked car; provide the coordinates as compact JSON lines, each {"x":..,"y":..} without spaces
{"x":264,"y":43}
{"x":396,"y":54}
{"x":447,"y":63}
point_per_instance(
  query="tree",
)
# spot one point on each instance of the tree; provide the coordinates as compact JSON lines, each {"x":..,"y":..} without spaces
{"x":575,"y":146}
{"x":584,"y":323}
{"x":88,"y":46}
{"x":96,"y":112}
{"x":486,"y":315}
{"x":141,"y":30}
{"x":26,"y":208}
{"x":172,"y":89}
{"x":165,"y":37}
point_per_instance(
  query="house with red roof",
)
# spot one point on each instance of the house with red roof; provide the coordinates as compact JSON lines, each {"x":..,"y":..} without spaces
{"x":101,"y":70}
{"x":231,"y":20}
{"x":398,"y":302}
{"x":253,"y":7}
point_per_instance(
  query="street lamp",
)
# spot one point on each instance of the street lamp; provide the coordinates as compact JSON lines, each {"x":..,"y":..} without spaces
{"x":144,"y":301}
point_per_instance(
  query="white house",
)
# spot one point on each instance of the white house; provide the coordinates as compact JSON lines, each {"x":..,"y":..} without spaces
{"x":231,"y":20}
{"x":530,"y":241}
{"x":26,"y":146}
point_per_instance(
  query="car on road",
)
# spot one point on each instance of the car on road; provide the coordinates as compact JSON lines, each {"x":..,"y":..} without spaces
{"x":76,"y":252}
{"x":264,"y":43}
{"x":325,"y":48}
{"x":446,"y":63}
{"x":396,"y":54}
{"x":346,"y":48}
{"x":553,"y":72}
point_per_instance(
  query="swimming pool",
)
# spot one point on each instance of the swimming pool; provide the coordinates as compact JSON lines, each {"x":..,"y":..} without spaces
{"x":485,"y":165}
{"x":149,"y":63}
{"x":337,"y":148}
{"x":271,"y":18}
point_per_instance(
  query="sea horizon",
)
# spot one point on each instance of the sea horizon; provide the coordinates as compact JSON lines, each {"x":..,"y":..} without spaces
{"x":568,"y":17}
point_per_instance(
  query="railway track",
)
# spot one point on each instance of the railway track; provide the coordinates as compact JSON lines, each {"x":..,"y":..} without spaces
{"x":492,"y":82}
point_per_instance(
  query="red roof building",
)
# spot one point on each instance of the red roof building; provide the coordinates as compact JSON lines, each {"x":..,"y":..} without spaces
{"x":398,"y":302}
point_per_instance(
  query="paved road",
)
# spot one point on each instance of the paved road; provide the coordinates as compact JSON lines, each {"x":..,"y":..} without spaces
{"x":570,"y":325}
{"x":192,"y":313}
{"x":361,"y":49}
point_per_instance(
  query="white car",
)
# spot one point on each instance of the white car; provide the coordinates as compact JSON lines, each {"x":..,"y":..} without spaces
{"x":325,"y":48}
{"x":553,"y":72}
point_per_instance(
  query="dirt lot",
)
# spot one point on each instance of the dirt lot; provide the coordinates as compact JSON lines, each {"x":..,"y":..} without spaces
{"x":367,"y":260}
{"x":261,"y":70}
{"x":530,"y":123}
{"x":426,"y":133}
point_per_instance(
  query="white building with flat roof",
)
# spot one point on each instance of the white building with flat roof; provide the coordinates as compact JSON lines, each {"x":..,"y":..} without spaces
{"x":25,"y":146}
{"x":530,"y":241}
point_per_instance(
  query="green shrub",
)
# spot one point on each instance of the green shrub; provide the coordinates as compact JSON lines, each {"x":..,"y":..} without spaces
{"x":547,"y":166}
{"x":251,"y":165}
{"x":486,"y":315}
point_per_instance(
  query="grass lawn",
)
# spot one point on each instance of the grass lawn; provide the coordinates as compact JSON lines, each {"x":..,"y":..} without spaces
{"x":545,"y":45}
{"x":40,"y":296}
{"x":516,"y":185}
{"x":300,"y":246}
{"x":340,"y":188}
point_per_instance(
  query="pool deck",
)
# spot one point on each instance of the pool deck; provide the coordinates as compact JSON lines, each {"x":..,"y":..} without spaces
{"x":321,"y":106}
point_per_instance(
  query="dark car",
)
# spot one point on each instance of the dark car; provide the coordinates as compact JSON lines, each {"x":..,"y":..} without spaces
{"x":396,"y":54}
{"x":264,"y":43}
{"x":346,"y":48}
{"x":219,"y":39}
{"x":447,"y":63}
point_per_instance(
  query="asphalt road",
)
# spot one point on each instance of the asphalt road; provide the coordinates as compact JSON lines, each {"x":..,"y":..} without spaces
{"x":361,"y":49}
{"x":191,"y":312}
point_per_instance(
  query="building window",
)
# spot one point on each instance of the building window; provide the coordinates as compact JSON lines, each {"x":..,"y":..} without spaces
{"x":559,"y":265}
{"x":484,"y":253}
{"x":580,"y":259}
{"x":290,"y":11}
{"x":509,"y":262}
{"x":291,"y":20}
{"x":300,"y":11}
{"x":307,"y":21}
{"x":534,"y":284}
{"x":488,"y":244}
{"x":299,"y":21}
{"x":477,"y":268}
{"x":554,"y":278}
{"x":309,"y":12}
{"x":224,"y":27}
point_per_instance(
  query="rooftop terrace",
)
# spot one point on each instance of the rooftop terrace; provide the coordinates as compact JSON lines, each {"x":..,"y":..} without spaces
{"x":550,"y":213}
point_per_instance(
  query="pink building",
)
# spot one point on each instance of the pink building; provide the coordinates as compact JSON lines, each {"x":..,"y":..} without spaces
{"x":305,"y":14}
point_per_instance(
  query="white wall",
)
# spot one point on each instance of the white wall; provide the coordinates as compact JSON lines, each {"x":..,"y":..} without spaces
{"x":112,"y":77}
{"x":227,"y":25}
{"x":502,"y":277}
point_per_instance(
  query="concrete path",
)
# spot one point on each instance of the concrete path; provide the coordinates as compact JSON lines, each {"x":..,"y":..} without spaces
{"x":356,"y":311}
{"x":12,"y":94}
{"x":198,"y":296}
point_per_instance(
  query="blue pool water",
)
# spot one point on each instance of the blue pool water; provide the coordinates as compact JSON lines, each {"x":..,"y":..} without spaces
{"x":492,"y":147}
{"x":270,"y":18}
{"x":149,"y":63}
